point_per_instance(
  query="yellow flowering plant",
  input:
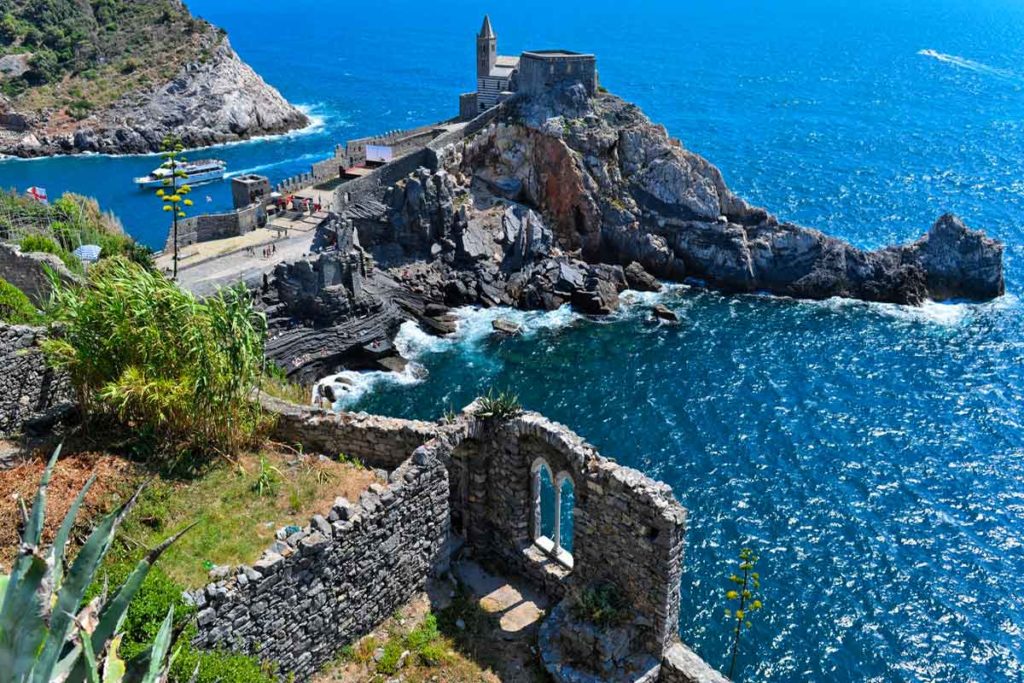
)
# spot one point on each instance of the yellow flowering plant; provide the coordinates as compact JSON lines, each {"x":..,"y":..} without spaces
{"x":172,"y":195}
{"x":748,"y":584}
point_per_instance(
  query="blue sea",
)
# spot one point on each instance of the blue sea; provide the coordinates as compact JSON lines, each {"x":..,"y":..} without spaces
{"x":872,"y":455}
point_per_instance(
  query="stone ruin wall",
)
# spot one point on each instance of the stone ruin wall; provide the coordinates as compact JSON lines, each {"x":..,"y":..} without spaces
{"x":28,"y":272}
{"x":330,"y":583}
{"x":31,"y":393}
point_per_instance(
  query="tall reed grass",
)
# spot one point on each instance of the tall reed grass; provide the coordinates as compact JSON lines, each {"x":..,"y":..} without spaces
{"x":161,"y":361}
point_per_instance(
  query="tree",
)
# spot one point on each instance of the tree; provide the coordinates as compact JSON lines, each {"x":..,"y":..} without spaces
{"x":172,"y":194}
{"x":750,"y":602}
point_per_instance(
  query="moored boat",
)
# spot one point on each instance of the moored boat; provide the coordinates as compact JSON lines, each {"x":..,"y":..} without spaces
{"x":197,"y":173}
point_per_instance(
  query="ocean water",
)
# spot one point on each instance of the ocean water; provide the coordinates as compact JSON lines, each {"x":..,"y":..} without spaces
{"x":871,"y":454}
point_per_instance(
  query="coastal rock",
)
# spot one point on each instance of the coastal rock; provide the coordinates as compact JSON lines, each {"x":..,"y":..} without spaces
{"x":639,"y":279}
{"x":212,"y":101}
{"x":617,"y":189}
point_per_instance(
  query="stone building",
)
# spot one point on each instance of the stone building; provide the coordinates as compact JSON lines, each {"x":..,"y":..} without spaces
{"x":499,"y":76}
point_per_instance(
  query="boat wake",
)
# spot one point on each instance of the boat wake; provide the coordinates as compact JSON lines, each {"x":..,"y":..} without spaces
{"x":971,"y":65}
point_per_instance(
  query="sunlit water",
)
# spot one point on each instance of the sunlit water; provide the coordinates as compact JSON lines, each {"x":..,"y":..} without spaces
{"x":872,"y":454}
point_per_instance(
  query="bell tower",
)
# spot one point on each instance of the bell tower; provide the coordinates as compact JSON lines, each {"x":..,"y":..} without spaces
{"x":486,"y":49}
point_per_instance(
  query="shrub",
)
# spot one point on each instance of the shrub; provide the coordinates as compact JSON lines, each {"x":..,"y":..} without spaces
{"x":150,"y":354}
{"x":388,"y":663}
{"x":15,"y":307}
{"x":602,"y":605}
{"x":33,"y":243}
{"x":502,"y":406}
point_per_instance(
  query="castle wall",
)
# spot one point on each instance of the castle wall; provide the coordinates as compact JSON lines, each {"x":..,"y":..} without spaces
{"x":215,"y":226}
{"x":541,"y":71}
{"x":30,"y":391}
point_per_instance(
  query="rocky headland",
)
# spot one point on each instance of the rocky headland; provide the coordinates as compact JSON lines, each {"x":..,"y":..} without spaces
{"x":570,"y":199}
{"x":152,"y":71}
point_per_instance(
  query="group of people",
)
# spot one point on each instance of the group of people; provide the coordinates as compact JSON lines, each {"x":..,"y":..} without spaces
{"x":267,"y":251}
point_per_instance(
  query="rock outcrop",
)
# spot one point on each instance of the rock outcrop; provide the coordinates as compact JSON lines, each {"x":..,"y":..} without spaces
{"x":615,"y":188}
{"x":216,"y":100}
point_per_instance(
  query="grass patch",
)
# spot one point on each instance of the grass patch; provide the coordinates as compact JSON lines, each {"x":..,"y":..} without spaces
{"x":235,"y":524}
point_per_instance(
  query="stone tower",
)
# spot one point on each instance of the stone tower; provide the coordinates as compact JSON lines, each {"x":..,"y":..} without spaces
{"x":486,"y":49}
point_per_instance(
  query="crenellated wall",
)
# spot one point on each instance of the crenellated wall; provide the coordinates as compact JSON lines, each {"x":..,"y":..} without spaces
{"x":215,"y":226}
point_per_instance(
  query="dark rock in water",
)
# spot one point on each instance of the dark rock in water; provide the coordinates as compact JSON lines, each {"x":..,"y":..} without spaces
{"x":506,"y":326}
{"x":662,"y":312}
{"x":393,"y":364}
{"x":639,"y":279}
{"x":441,"y":326}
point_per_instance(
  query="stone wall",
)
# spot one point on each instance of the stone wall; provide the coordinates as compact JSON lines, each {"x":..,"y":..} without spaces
{"x":337,"y":579}
{"x":541,"y":71}
{"x":683,"y":665}
{"x":215,"y":226}
{"x":382,"y":442}
{"x":628,"y":528}
{"x":322,"y":587}
{"x":32,"y":395}
{"x":27,"y":272}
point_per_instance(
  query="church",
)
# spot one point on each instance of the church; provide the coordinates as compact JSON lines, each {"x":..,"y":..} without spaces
{"x":499,"y":76}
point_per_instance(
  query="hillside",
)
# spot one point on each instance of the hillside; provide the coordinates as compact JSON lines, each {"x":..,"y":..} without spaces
{"x":116,"y":76}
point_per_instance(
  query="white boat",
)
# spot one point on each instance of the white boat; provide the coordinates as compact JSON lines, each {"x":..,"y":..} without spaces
{"x":198,"y":172}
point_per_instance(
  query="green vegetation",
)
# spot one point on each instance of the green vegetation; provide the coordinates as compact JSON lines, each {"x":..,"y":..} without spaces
{"x":502,"y":406}
{"x":157,"y":596}
{"x":746,"y":594}
{"x":172,"y":195}
{"x":15,"y":307}
{"x":140,"y":350}
{"x":63,"y":226}
{"x":602,"y":605}
{"x":233,"y":525}
{"x":45,"y":631}
{"x":85,"y":55}
{"x":267,"y":479}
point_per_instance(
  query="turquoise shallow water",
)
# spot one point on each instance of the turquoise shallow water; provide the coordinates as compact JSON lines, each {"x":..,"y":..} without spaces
{"x":871,"y":453}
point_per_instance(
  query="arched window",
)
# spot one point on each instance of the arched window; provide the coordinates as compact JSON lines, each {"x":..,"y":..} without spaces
{"x":567,"y":505}
{"x":553,"y":503}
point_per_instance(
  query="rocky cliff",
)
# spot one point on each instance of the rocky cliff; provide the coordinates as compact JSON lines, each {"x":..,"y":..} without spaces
{"x":171,"y":74}
{"x":566,"y":195}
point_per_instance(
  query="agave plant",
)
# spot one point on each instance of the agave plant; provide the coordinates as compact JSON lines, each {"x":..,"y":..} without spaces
{"x":46,"y":635}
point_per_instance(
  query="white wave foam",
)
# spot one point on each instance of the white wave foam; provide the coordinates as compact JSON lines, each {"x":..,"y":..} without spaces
{"x":944,"y":313}
{"x":351,"y":385}
{"x":970,"y":65}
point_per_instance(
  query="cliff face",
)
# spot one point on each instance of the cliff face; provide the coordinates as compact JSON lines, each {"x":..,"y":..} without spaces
{"x":184,"y":80}
{"x":619,"y":189}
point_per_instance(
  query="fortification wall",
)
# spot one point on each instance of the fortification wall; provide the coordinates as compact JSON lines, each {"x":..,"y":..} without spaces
{"x":215,"y":226}
{"x":32,"y":395}
{"x":539,"y":72}
{"x":27,"y":272}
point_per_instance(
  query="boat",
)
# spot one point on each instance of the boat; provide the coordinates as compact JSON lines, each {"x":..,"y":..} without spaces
{"x":197,"y":173}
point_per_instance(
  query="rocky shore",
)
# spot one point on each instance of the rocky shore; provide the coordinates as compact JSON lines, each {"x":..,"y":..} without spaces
{"x":211,"y":101}
{"x":570,"y":199}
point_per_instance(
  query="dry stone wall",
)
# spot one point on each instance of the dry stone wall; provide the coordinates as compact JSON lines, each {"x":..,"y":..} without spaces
{"x":335,"y":580}
{"x":32,"y":395}
{"x":382,"y":442}
{"x":327,"y":584}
